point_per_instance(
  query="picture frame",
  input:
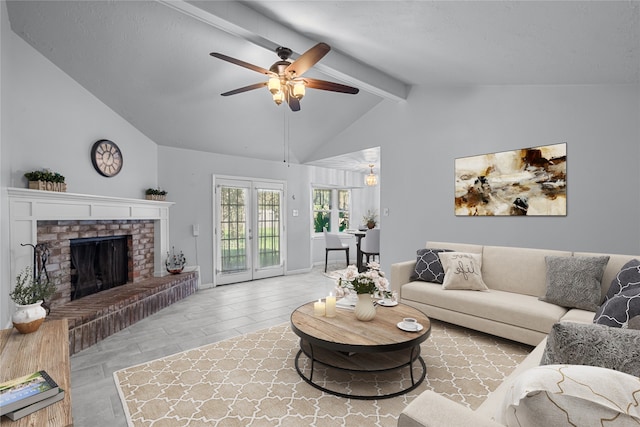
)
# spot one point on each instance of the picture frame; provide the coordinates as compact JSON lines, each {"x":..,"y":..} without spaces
{"x":523,"y":182}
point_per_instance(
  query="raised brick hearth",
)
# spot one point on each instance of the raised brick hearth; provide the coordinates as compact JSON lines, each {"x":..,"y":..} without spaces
{"x":95,"y":317}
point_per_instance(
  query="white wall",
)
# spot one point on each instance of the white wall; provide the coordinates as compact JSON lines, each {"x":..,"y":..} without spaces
{"x":50,"y":121}
{"x":420,"y":139}
{"x":188,"y":177}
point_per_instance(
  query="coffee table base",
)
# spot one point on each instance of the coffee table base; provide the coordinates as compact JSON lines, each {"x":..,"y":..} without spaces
{"x":362,"y":364}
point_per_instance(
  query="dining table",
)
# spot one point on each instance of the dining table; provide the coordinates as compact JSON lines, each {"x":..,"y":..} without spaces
{"x":359,"y":234}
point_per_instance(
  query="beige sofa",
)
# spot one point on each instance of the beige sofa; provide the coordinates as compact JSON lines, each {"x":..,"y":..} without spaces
{"x":516,"y":277}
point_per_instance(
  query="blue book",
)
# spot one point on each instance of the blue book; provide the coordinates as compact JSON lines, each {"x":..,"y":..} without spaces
{"x":24,"y":391}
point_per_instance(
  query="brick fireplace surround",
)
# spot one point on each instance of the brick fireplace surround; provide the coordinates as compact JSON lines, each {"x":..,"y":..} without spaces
{"x":55,"y":218}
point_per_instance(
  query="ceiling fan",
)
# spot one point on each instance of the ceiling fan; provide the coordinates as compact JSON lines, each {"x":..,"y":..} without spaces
{"x":285,"y":77}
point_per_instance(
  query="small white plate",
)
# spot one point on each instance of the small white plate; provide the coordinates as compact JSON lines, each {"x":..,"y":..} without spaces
{"x":401,"y":326}
{"x":387,"y":303}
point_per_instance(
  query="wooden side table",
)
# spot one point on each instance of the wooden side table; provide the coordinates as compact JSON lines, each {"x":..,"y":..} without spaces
{"x":46,"y":349}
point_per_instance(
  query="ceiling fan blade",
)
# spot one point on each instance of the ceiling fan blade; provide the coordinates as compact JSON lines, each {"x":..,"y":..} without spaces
{"x":333,"y":87}
{"x":244,"y":89}
{"x":240,"y":63}
{"x":308,"y":59}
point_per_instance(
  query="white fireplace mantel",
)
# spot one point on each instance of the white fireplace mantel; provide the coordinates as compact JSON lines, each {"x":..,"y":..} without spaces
{"x":27,"y":207}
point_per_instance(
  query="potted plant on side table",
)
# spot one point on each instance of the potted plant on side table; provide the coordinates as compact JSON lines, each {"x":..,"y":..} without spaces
{"x":29,"y":294}
{"x":370,"y":219}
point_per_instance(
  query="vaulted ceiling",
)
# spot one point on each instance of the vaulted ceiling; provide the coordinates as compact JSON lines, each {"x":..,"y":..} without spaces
{"x":149,"y":60}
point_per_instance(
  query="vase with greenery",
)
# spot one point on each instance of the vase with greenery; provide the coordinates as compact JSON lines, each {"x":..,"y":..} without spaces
{"x":46,"y":180}
{"x":29,"y":294}
{"x":155,"y":194}
{"x":370,"y":219}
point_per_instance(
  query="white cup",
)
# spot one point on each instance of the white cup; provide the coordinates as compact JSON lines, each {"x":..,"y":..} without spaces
{"x":410,"y":323}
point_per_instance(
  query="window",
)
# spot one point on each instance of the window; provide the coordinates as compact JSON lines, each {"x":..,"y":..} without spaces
{"x":321,"y":210}
{"x":331,"y":209}
{"x":343,"y":209}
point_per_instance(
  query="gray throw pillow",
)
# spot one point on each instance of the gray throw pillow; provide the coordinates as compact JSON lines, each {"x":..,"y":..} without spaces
{"x":594,"y":345}
{"x":628,"y":277}
{"x":575,"y":282}
{"x":617,"y":311}
{"x":428,"y":266}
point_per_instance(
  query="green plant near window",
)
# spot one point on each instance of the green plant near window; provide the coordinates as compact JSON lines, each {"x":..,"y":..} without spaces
{"x":343,"y":221}
{"x":155,"y":192}
{"x":30,"y":290}
{"x":44,"y":175}
{"x":320,"y":222}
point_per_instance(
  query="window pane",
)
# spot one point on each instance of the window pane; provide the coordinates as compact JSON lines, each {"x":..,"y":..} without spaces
{"x":344,"y":208}
{"x":321,"y":210}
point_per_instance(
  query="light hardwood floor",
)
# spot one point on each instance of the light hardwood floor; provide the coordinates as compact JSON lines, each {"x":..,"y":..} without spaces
{"x":208,"y":316}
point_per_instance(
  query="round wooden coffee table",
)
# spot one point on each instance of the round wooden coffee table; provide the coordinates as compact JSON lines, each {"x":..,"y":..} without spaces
{"x":364,"y":348}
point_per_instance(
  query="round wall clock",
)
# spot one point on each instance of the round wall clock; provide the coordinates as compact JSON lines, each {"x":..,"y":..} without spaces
{"x":106,"y":158}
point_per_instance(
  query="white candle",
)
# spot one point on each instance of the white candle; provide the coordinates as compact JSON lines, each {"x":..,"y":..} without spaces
{"x":330,"y":307}
{"x":318,"y":308}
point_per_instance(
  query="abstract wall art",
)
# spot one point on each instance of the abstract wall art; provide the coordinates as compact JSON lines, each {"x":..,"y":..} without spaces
{"x":524,"y":182}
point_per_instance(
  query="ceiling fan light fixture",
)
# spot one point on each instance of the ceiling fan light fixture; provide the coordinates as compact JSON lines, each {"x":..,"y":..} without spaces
{"x":278,"y":97}
{"x":371,"y":180}
{"x":274,"y":85}
{"x":298,"y":90}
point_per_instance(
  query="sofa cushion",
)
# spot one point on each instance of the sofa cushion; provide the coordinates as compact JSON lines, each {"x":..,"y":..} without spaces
{"x":575,"y":281}
{"x":428,"y":266}
{"x":593,"y":345}
{"x":627,"y":278}
{"x":634,"y":323}
{"x":520,"y":270}
{"x":509,"y":308}
{"x":617,"y":310}
{"x":462,"y":271}
{"x":571,"y":395}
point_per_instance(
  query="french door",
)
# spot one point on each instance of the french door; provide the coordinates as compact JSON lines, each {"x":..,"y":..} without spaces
{"x":249,"y":230}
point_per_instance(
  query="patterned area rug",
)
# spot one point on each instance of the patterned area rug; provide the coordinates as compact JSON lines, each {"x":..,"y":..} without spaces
{"x":251,"y":380}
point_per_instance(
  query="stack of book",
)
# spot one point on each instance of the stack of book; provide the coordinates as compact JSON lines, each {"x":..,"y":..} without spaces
{"x":22,"y":396}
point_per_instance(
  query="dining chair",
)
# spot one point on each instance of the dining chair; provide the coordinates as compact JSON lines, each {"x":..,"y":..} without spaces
{"x":370,"y":245}
{"x":333,"y":243}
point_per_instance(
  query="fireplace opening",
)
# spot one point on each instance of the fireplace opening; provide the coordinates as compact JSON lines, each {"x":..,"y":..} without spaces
{"x":98,"y":264}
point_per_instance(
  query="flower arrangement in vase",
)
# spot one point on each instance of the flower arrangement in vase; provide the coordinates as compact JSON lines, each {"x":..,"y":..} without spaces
{"x":175,"y":263}
{"x":370,"y":219}
{"x":28,"y":295}
{"x":364,"y":285}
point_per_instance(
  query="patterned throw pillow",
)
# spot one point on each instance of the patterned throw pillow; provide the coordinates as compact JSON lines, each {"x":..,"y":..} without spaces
{"x":462,"y":271}
{"x":628,"y":277}
{"x":575,"y":282}
{"x":594,"y":345}
{"x":571,"y":395}
{"x":617,"y":311}
{"x":428,"y":266}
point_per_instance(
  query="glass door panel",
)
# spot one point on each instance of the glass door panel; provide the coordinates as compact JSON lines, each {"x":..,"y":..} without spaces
{"x":270,"y":229}
{"x":233,"y":232}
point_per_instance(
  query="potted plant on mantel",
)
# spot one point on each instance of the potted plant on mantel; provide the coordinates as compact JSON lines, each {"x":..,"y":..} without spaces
{"x":155,"y":194}
{"x":29,"y":294}
{"x":46,"y":180}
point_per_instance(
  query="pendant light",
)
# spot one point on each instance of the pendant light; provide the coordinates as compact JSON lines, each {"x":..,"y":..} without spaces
{"x":372,"y":179}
